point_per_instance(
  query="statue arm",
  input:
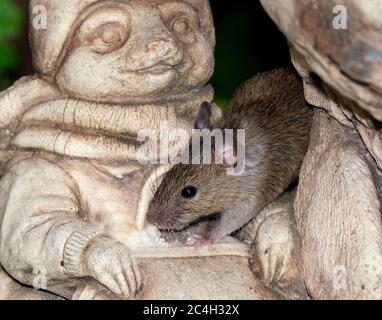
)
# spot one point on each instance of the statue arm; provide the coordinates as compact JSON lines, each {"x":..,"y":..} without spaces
{"x":41,"y":224}
{"x":43,"y":228}
{"x":23,"y":94}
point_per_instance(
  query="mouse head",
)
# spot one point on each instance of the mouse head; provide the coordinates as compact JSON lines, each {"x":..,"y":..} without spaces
{"x":190,"y":192}
{"x":119,"y":51}
{"x":187,"y":194}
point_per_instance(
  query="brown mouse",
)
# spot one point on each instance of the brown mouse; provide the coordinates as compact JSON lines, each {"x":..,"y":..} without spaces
{"x":272,"y":110}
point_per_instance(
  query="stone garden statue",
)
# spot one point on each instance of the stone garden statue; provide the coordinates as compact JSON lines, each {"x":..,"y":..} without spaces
{"x":76,"y":180}
{"x":75,"y":187}
{"x":105,"y":69}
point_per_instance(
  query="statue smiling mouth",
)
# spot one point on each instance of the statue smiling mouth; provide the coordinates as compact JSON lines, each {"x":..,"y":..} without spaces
{"x":157,"y":69}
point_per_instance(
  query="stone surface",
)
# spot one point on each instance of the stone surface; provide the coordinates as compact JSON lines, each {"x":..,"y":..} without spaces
{"x":348,"y":60}
{"x":338,"y":200}
{"x":207,"y":273}
{"x":338,"y":215}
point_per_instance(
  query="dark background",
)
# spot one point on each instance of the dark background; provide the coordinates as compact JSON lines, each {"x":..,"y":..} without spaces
{"x":247,"y":43}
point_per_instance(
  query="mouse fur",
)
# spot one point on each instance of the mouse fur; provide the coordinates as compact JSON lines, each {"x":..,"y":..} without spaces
{"x":277,"y":120}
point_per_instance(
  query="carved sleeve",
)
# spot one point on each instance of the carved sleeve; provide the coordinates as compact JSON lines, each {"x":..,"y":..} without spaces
{"x":41,"y":222}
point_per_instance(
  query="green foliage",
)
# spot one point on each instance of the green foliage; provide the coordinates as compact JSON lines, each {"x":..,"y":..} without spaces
{"x":11,"y":19}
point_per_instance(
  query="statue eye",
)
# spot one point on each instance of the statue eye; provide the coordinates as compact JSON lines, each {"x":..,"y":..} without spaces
{"x":189,"y":192}
{"x":109,"y":35}
{"x":108,"y":38}
{"x":181,"y":25}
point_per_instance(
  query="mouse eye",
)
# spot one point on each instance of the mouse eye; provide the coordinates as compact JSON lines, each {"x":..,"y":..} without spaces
{"x":189,"y":192}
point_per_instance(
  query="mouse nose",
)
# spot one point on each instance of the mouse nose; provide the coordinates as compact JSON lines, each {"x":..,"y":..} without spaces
{"x":162,"y":217}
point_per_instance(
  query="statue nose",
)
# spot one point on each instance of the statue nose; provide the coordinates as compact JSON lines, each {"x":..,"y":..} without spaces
{"x":156,"y":50}
{"x":162,"y":47}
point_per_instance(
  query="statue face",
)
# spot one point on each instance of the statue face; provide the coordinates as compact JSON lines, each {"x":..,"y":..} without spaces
{"x":129,"y":50}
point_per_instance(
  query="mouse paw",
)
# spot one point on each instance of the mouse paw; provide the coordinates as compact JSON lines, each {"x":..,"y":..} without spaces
{"x":194,"y":240}
{"x":199,"y":240}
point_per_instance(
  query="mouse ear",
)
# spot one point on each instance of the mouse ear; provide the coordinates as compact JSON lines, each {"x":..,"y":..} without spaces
{"x":203,"y":120}
{"x":227,"y":154}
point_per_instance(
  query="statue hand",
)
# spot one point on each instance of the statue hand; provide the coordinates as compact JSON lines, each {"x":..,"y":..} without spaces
{"x":109,"y":262}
